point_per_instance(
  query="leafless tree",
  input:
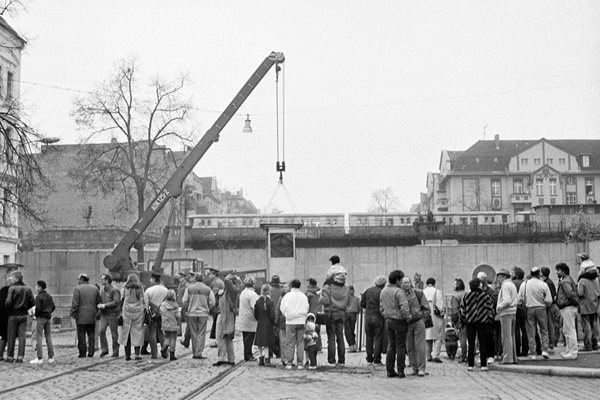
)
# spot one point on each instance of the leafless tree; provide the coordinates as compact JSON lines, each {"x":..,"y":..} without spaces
{"x":383,"y":200}
{"x":20,"y":174}
{"x":139,"y":124}
{"x":11,"y":7}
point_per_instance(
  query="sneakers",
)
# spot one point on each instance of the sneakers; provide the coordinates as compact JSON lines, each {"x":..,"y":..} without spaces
{"x":490,"y":360}
{"x":51,"y":361}
{"x":485,"y":369}
{"x":568,"y":356}
{"x":300,"y":366}
{"x":422,"y":373}
{"x":340,"y":365}
{"x":36,"y":361}
{"x":469,"y":368}
{"x":312,"y":367}
{"x":533,"y":357}
{"x":289,"y":366}
{"x":545,"y":355}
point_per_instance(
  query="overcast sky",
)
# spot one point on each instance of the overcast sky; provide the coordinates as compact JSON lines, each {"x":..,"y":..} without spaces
{"x":374,"y":90}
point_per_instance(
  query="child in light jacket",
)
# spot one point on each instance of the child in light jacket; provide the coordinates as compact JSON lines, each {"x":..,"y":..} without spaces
{"x":170,"y":314}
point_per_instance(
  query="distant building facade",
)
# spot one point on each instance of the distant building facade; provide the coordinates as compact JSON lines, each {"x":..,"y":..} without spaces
{"x":11,"y":46}
{"x":515,"y":176}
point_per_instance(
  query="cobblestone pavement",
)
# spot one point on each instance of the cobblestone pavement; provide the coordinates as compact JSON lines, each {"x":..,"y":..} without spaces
{"x":74,"y":378}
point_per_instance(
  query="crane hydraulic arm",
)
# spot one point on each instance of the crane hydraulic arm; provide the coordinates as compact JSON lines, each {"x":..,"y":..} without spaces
{"x":119,"y":261}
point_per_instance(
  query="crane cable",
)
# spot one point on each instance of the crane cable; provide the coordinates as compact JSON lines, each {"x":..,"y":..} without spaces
{"x":280,"y":164}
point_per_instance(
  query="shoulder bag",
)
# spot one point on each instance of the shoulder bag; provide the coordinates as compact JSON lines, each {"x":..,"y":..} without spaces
{"x":426,"y":318}
{"x":436,"y":311}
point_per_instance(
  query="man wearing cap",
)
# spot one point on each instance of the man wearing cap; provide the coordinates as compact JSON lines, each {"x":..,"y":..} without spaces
{"x":535,"y":296}
{"x":589,"y":291}
{"x":153,"y":298}
{"x":506,"y":310}
{"x":374,"y":322}
{"x":198,"y":300}
{"x":246,"y":321}
{"x":567,"y":301}
{"x":85,"y":301}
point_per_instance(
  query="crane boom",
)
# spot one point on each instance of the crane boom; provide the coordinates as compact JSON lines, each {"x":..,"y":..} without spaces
{"x":119,"y":261}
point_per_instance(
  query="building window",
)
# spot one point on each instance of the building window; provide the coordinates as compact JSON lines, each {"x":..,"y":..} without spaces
{"x":562,"y":161}
{"x":541,"y":201}
{"x":571,"y":198}
{"x":539,"y":187}
{"x":518,"y":186}
{"x":524,"y":161}
{"x":9,"y":85}
{"x":571,"y":180}
{"x":552,"y":186}
{"x":442,"y":187}
{"x":585,"y":161}
{"x":589,"y":186}
{"x":496,"y":188}
{"x":549,"y":161}
{"x":537,"y":161}
{"x":6,"y":259}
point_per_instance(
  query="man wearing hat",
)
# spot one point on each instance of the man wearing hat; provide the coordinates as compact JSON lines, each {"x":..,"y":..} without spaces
{"x":506,"y":309}
{"x":374,"y":321}
{"x":85,"y":301}
{"x":535,"y":296}
{"x":276,"y":293}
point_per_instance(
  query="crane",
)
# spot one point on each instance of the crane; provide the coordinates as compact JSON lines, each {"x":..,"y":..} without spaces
{"x":119,"y":261}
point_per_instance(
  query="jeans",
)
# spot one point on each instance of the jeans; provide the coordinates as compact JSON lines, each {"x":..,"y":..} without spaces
{"x":462,"y":336}
{"x":416,"y":346}
{"x":551,"y":318}
{"x":349,"y":327}
{"x":248,"y":339}
{"x":507,"y":326}
{"x":43,"y":328}
{"x":335,"y":335}
{"x":82,"y":331}
{"x":477,"y":330}
{"x":521,"y":340}
{"x":17,"y":325}
{"x":294,"y":338}
{"x":537,"y":316}
{"x":374,"y":337}
{"x":109,"y":321}
{"x":155,"y":336}
{"x":590,"y":331}
{"x":197,"y":333}
{"x":396,"y":351}
{"x":569,"y":315}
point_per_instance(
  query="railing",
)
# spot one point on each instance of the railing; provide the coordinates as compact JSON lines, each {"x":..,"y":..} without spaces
{"x":520,"y":197}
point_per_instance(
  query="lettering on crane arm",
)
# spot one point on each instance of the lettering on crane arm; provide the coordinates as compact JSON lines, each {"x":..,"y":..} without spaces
{"x":161,"y":197}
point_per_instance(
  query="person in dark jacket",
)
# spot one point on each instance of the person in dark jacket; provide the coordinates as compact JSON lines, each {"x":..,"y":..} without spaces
{"x":110,"y":308}
{"x":567,"y":301}
{"x":314,"y":306}
{"x":476,"y":312}
{"x":44,"y":307}
{"x":374,"y":321}
{"x":552,"y":313}
{"x":18,"y":301}
{"x":86,"y":298}
{"x":588,"y":289}
{"x":521,"y":340}
{"x":4,"y":316}
{"x":264,"y":313}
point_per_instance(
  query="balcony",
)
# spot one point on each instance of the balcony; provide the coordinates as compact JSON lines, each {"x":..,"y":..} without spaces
{"x":520,"y":198}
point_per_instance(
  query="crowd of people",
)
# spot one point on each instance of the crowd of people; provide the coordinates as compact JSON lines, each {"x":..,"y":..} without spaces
{"x":501,"y":320}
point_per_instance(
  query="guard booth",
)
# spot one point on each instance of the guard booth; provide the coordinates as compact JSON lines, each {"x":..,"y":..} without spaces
{"x":281,"y":249}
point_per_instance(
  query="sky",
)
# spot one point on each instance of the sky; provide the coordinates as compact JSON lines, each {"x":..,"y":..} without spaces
{"x":374,"y":90}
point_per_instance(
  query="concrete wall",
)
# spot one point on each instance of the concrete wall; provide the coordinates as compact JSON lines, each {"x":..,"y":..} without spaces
{"x":444,"y":263}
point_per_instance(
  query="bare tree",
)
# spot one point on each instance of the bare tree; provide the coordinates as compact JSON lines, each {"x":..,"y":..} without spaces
{"x":11,"y":7}
{"x":383,"y":200}
{"x":20,"y":174}
{"x":140,"y":124}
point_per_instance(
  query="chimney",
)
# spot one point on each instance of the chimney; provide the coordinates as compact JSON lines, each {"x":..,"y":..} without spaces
{"x":497,"y":142}
{"x":113,"y":140}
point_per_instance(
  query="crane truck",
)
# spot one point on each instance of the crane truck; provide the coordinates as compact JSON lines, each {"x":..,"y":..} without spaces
{"x":119,"y":263}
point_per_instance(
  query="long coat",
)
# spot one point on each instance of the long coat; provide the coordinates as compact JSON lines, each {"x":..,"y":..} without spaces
{"x":264,"y":312}
{"x":3,"y":312}
{"x":133,"y":316}
{"x":86,"y":298}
